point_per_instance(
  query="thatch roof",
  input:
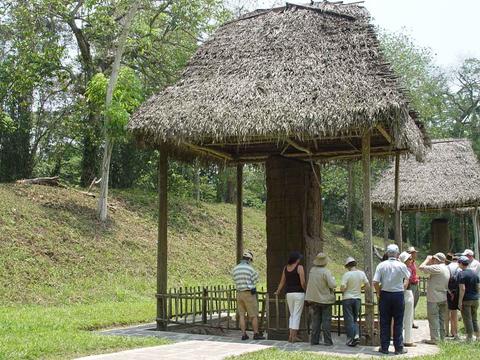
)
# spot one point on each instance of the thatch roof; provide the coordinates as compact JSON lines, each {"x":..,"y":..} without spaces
{"x":448,"y":178}
{"x":302,"y":72}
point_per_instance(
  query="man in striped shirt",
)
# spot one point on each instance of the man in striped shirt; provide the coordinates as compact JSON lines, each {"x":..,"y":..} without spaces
{"x":246,"y":278}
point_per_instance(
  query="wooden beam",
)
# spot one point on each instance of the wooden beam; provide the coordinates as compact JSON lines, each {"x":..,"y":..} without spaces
{"x":325,"y":156}
{"x":385,"y":134}
{"x":216,"y":153}
{"x":367,"y":233}
{"x":162,"y":243}
{"x":239,"y":212}
{"x":398,"y":213}
{"x":298,"y":146}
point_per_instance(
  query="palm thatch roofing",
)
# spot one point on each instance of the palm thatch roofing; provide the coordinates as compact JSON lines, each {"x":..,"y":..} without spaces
{"x":448,"y":178}
{"x":303,"y":81}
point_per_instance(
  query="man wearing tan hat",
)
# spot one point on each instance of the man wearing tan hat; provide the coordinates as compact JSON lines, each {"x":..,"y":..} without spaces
{"x":437,"y":287}
{"x":320,"y":296}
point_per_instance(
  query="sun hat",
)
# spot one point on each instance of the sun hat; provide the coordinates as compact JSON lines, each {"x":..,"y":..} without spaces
{"x":440,"y":257}
{"x":464,"y":260}
{"x":468,"y":252}
{"x":349,"y":260}
{"x":404,"y":256}
{"x":248,"y":255}
{"x":411,"y":249}
{"x":321,"y":259}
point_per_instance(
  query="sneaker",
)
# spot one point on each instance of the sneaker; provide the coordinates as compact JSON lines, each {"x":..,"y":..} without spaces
{"x":409,"y":345}
{"x":401,"y":351}
{"x":327,"y":344}
{"x":380,"y":350}
{"x":258,"y":337}
{"x":414,"y":326}
{"x":245,"y":337}
{"x":355,"y":342}
{"x":430,"y":342}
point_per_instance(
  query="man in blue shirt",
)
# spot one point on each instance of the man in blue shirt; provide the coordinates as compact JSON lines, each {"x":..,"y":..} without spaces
{"x":469,"y":284}
{"x":390,"y":279}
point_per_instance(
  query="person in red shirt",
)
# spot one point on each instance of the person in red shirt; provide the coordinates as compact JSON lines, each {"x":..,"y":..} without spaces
{"x":414,"y":280}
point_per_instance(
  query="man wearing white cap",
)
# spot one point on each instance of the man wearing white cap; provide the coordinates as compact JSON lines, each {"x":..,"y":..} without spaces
{"x":437,"y":287}
{"x":246,"y":278}
{"x":474,"y":264}
{"x":389,"y":281}
{"x":406,"y":258}
{"x":352,"y":282}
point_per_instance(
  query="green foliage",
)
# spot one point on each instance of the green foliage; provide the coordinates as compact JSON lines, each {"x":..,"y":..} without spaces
{"x":425,"y":83}
{"x":6,"y":124}
{"x":127,"y":96}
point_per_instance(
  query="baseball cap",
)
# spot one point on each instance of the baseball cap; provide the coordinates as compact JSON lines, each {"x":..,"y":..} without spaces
{"x":248,"y":255}
{"x":468,"y":252}
{"x":411,"y":249}
{"x":464,"y":260}
{"x":349,"y":260}
{"x":392,"y":248}
{"x":440,"y":256}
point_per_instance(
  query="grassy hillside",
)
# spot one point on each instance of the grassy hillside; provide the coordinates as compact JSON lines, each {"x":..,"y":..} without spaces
{"x":53,"y":250}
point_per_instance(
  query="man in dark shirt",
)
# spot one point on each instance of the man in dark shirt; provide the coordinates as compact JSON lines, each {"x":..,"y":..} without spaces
{"x":469,"y":284}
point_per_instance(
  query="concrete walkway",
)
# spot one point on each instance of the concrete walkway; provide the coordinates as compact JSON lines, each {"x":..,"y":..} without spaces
{"x":211,"y":347}
{"x":201,"y":350}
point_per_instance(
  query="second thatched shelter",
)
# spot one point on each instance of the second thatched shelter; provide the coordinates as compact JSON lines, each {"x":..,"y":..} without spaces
{"x":449,"y":178}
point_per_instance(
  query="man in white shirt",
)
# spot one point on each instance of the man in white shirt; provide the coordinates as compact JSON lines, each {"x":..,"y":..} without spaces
{"x":437,"y":287}
{"x":352,"y":282}
{"x":389,"y":285}
{"x":474,"y":264}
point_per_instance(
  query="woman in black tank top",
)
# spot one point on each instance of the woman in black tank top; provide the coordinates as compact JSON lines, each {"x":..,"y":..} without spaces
{"x":293,"y":279}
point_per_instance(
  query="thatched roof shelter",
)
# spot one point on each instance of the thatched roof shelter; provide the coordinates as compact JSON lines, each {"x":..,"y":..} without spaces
{"x":302,"y":81}
{"x":448,"y":179}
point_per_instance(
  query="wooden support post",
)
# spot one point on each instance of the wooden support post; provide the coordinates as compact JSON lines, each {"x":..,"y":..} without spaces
{"x":398,"y":213}
{"x":476,"y":231}
{"x":367,"y":233}
{"x":239,"y":212}
{"x":162,"y":245}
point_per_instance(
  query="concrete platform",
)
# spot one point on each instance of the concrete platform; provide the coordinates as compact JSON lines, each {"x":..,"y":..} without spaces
{"x":213,"y":347}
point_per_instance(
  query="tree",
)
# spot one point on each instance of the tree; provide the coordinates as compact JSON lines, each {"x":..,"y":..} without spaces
{"x":425,"y":83}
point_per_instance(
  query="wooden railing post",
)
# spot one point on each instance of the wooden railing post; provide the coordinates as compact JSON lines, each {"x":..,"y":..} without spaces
{"x":204,"y":305}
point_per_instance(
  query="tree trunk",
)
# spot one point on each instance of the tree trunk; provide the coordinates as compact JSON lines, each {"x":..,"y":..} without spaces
{"x":107,"y":154}
{"x":230,"y":194}
{"x":196,"y":170}
{"x":102,"y":200}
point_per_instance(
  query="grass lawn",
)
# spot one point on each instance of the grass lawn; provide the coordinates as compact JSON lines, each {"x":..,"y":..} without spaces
{"x":449,"y":351}
{"x":65,"y":332}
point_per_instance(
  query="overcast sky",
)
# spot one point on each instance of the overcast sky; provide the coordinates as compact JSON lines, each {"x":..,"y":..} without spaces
{"x":451,"y":28}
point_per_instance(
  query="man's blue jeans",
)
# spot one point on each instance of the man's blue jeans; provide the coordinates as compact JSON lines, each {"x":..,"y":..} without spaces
{"x":351,"y":311}
{"x":391,"y":306}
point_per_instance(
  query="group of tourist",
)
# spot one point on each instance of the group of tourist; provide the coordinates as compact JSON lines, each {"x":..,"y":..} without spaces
{"x":453,"y":284}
